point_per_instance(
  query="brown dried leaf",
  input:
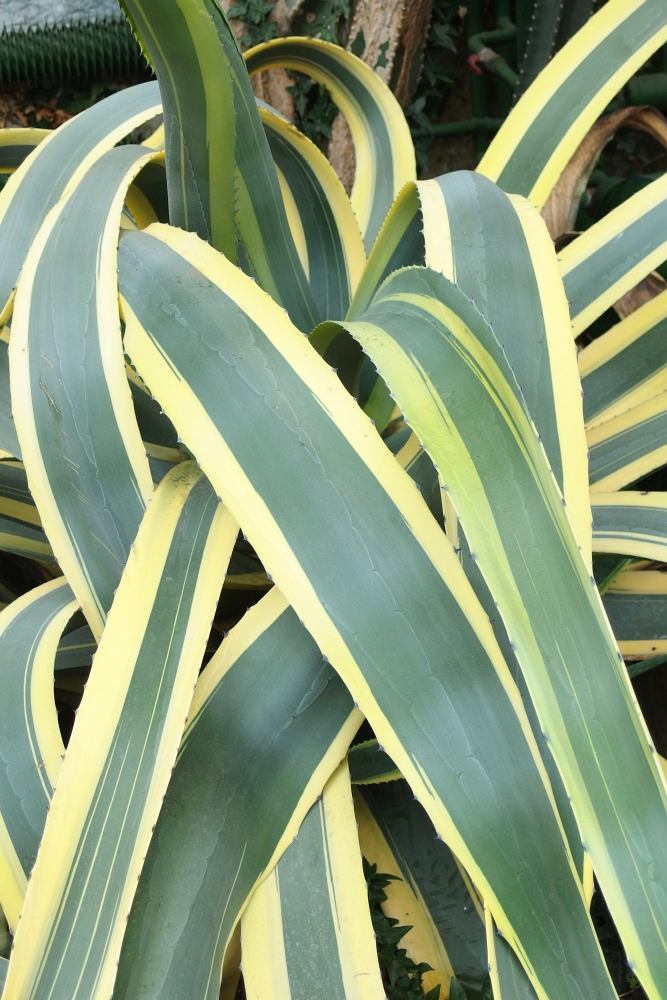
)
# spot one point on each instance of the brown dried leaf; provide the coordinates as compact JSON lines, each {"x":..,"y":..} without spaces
{"x":565,"y":239}
{"x":560,"y":211}
{"x":653,"y":284}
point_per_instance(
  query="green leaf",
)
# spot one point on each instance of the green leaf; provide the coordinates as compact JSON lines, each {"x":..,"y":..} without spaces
{"x":265,"y":427}
{"x":456,"y":991}
{"x":186,"y":44}
{"x":511,"y":982}
{"x":307,"y":930}
{"x":503,"y":259}
{"x":87,"y":464}
{"x":52,"y":169}
{"x":18,"y":143}
{"x":598,"y":268}
{"x":76,"y":650}
{"x":268,"y":725}
{"x":531,"y":150}
{"x":8,"y":439}
{"x":435,"y":896}
{"x":30,"y":742}
{"x":629,"y":446}
{"x":321,"y":216}
{"x":369,"y":764}
{"x":220,"y":172}
{"x":641,"y":666}
{"x":635,"y":617}
{"x":499,"y":253}
{"x":627,"y":365}
{"x":55,"y":167}
{"x":400,"y":243}
{"x":15,"y":498}
{"x":379,"y":130}
{"x":443,"y":364}
{"x":123,"y":745}
{"x":24,"y":540}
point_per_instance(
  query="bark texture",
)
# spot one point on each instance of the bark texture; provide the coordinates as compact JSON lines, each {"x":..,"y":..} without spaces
{"x":389,"y":35}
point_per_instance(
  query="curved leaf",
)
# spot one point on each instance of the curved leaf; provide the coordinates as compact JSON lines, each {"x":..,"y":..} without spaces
{"x":30,"y":743}
{"x":369,"y":764}
{"x":546,"y":126}
{"x":8,"y":439}
{"x":24,"y":540}
{"x":217,"y":154}
{"x":186,"y":45}
{"x":307,"y":930}
{"x":636,"y":603}
{"x":598,"y":267}
{"x":123,"y":746}
{"x":509,"y":980}
{"x":16,"y":500}
{"x":18,"y":143}
{"x":443,"y":363}
{"x":502,"y":258}
{"x":278,"y":434}
{"x":383,"y":147}
{"x":400,"y":242}
{"x":628,"y":446}
{"x":269,"y":723}
{"x":627,"y":365}
{"x":55,"y":168}
{"x":72,"y":404}
{"x":498,"y":252}
{"x":631,"y":524}
{"x":76,"y":650}
{"x":332,"y":245}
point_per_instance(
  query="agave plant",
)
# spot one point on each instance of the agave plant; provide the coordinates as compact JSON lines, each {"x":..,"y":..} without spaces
{"x":349,"y":433}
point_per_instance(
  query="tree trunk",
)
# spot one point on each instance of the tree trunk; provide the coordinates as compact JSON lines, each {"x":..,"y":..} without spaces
{"x":389,"y":35}
{"x":271,"y":85}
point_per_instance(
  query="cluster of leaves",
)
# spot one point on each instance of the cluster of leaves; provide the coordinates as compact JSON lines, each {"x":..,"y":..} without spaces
{"x":325,"y":19}
{"x":318,"y":19}
{"x":439,"y":53}
{"x":314,"y":109}
{"x":402,"y":976}
{"x":437,"y":77}
{"x":40,"y":106}
{"x":21,"y":108}
{"x":255,"y":16}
